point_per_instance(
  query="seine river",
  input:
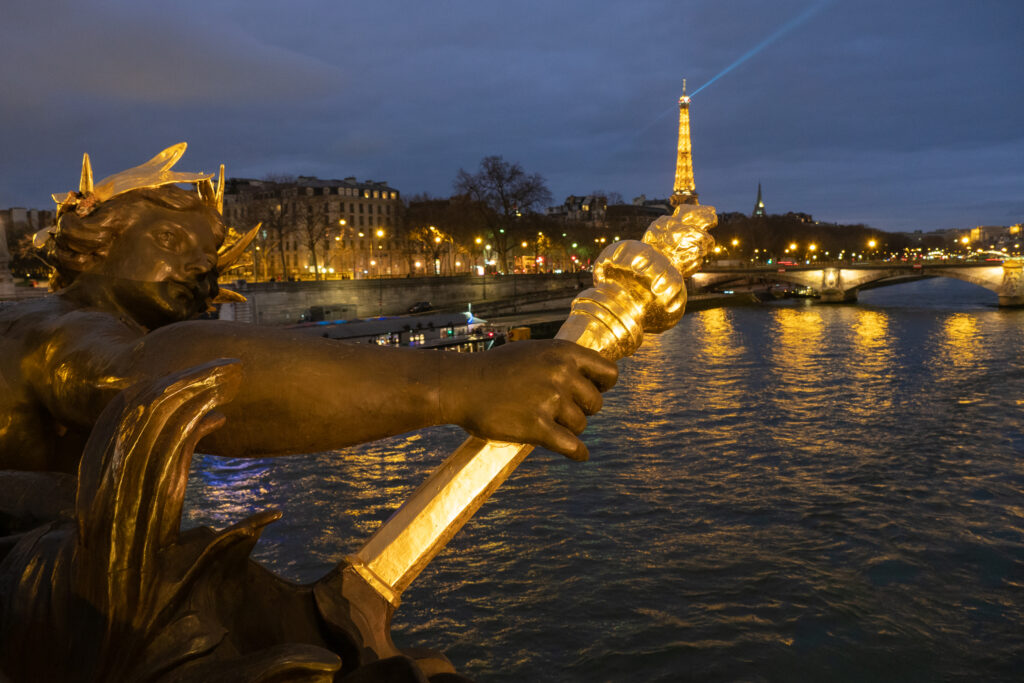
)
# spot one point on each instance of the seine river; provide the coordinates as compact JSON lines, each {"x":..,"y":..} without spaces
{"x":788,"y":492}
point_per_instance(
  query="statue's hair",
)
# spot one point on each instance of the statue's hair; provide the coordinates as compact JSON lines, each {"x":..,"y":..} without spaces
{"x":80,"y":242}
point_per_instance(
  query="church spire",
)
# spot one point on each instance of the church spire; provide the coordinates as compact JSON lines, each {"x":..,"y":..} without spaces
{"x":684,"y":191}
{"x":759,"y":206}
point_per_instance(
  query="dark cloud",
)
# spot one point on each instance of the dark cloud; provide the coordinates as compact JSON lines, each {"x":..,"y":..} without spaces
{"x":904,"y":115}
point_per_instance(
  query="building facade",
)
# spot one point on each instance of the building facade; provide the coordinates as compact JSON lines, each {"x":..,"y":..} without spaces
{"x":320,"y":229}
{"x":17,"y":225}
{"x":590,"y":208}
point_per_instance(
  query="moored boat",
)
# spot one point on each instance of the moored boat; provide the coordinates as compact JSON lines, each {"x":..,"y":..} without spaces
{"x":462,"y":332}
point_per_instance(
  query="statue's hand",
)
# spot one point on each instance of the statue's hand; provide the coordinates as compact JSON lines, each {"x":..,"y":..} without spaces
{"x":536,"y":392}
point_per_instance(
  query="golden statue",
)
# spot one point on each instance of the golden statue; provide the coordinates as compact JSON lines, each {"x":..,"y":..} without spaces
{"x":107,"y":387}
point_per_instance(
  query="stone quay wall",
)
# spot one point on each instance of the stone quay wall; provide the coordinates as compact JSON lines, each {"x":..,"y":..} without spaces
{"x":280,"y":303}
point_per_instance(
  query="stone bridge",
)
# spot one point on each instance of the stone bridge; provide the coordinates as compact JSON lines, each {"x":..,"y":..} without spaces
{"x":839,"y":281}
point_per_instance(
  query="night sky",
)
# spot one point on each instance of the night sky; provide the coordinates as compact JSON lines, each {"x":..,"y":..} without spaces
{"x":902,"y":114}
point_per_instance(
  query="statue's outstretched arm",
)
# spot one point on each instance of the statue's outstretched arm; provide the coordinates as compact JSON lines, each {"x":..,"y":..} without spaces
{"x":302,"y":394}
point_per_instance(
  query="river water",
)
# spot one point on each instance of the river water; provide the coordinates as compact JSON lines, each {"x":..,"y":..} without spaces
{"x":776,"y":493}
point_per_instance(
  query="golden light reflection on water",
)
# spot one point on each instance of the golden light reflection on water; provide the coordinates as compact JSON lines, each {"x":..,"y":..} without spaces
{"x":798,"y":337}
{"x":872,"y":335}
{"x":872,"y":366}
{"x":647,"y":390}
{"x":960,"y":340}
{"x":721,"y":347}
{"x":796,"y":384}
{"x":718,"y":331}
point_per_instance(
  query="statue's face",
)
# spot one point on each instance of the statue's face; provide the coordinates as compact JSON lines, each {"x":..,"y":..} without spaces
{"x":162,"y":268}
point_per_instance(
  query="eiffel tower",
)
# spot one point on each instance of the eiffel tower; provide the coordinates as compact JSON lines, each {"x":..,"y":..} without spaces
{"x":684,"y":191}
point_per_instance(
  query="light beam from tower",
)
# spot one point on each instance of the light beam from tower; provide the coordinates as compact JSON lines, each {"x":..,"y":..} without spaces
{"x":684,"y":191}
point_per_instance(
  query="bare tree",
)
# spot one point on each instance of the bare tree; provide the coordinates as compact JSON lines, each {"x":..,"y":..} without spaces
{"x":435,"y":242}
{"x":311,"y":226}
{"x":504,"y":192}
{"x":272,"y":211}
{"x":612,"y":198}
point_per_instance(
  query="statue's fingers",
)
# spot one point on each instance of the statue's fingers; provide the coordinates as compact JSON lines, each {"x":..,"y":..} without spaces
{"x":561,"y":440}
{"x":572,"y":418}
{"x":587,"y":396}
{"x":598,"y":369}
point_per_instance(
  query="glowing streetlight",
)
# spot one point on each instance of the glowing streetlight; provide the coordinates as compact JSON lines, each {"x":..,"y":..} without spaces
{"x":792,"y":246}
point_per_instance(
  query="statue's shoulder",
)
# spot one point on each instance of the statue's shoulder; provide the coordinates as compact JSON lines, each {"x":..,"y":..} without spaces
{"x":43,"y":320}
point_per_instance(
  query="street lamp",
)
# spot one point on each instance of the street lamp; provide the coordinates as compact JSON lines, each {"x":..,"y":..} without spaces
{"x":380,"y":246}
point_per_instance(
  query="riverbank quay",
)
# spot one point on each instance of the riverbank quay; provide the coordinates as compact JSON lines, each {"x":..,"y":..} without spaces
{"x":280,"y":303}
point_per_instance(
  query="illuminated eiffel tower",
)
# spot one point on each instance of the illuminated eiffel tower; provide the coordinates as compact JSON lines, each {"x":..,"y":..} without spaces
{"x":684,"y":191}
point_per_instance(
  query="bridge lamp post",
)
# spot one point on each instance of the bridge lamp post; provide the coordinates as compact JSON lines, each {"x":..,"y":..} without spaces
{"x":812,"y":248}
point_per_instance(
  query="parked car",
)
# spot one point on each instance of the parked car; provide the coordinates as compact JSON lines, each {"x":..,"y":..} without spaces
{"x":420,"y":307}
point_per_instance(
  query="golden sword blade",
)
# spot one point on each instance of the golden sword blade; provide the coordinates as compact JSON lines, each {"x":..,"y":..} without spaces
{"x":639,"y":286}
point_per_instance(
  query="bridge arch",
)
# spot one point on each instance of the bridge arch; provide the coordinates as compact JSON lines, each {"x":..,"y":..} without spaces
{"x":842,"y":282}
